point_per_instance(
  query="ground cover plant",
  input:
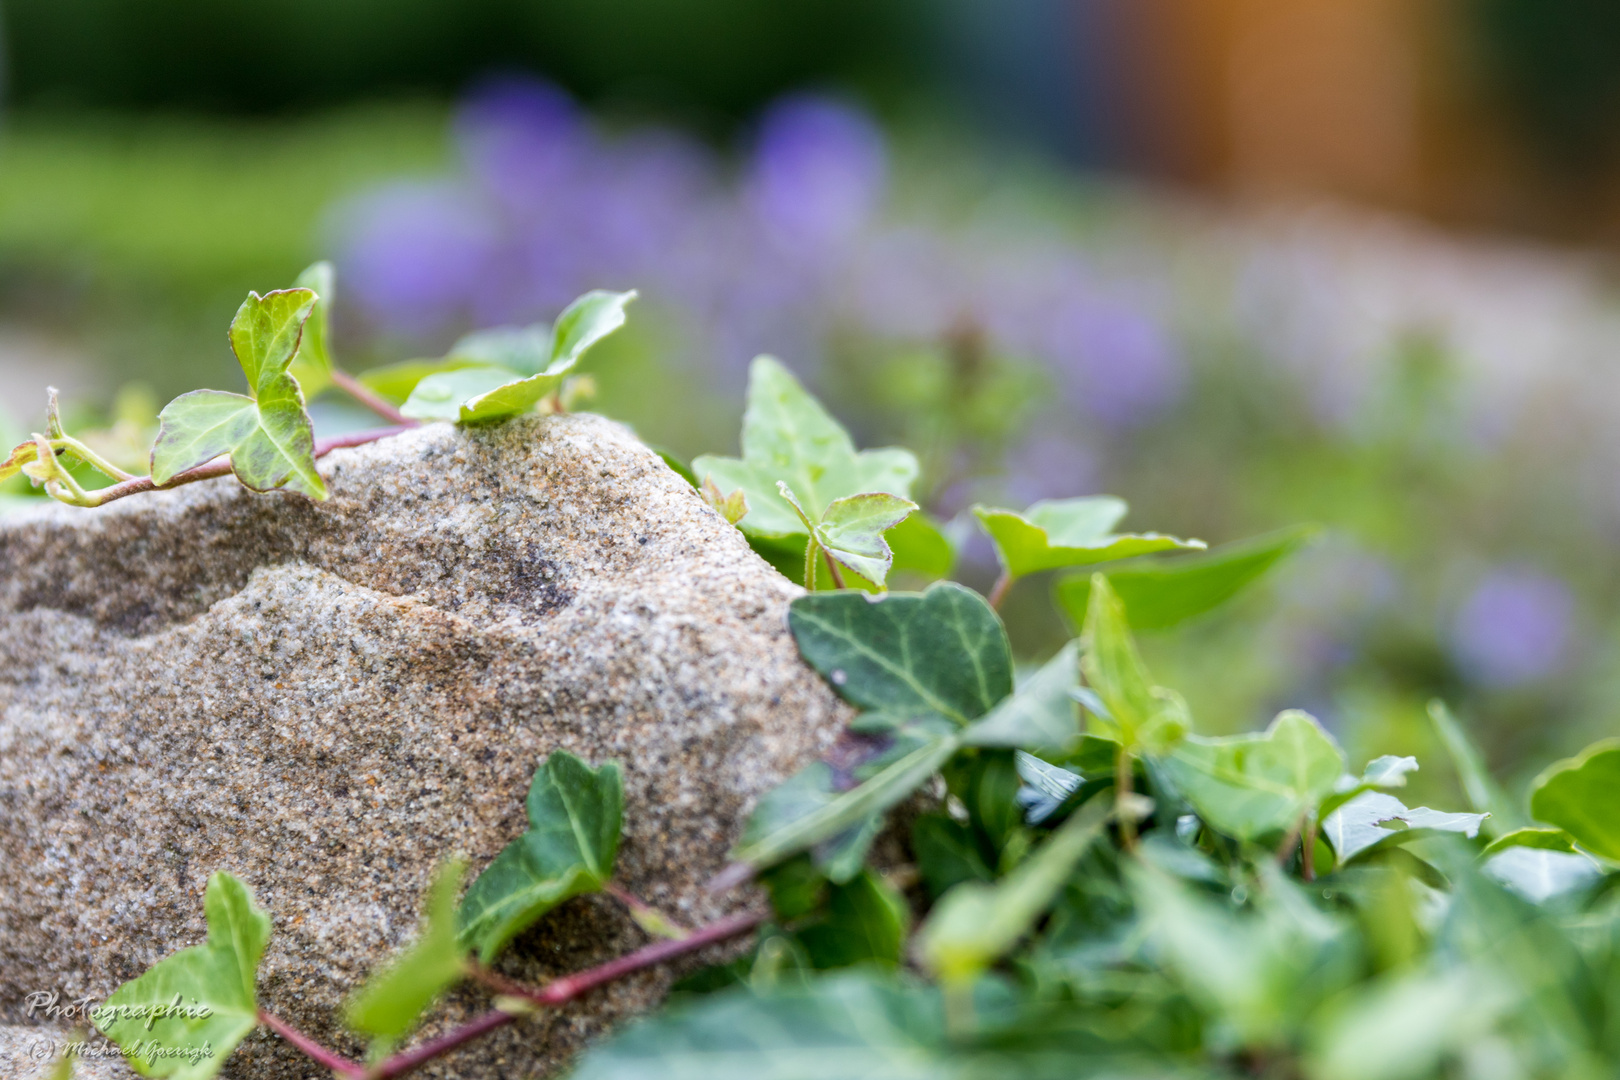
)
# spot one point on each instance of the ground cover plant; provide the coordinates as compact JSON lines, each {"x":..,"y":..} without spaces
{"x":1047,"y":871}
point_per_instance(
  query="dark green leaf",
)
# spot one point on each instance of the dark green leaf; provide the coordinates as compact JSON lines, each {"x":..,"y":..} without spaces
{"x":975,"y":924}
{"x":787,"y":437}
{"x":575,"y":813}
{"x":947,"y":853}
{"x":942,"y":652}
{"x":1161,"y":593}
{"x":391,"y":1002}
{"x":1068,"y":532}
{"x":1581,"y":795}
{"x":1040,"y":714}
{"x":866,"y":922}
{"x":200,"y":999}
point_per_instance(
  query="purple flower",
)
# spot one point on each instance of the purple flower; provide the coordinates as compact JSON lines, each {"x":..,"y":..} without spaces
{"x":1514,"y":628}
{"x":523,"y":142}
{"x":817,"y":173}
{"x":1116,"y":363}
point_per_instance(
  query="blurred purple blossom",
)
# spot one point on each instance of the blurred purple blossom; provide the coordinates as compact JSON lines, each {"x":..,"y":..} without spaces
{"x":817,"y":173}
{"x":1514,"y":628}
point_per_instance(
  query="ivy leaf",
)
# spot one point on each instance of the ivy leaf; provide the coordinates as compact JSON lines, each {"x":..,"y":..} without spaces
{"x":22,"y":455}
{"x":575,"y":814}
{"x":388,"y":1006}
{"x":1068,"y":532}
{"x":1381,"y":774}
{"x":1581,"y":795}
{"x":851,"y":530}
{"x":866,"y":922}
{"x":312,"y":366}
{"x":733,"y":507}
{"x":975,"y":924}
{"x":922,"y":548}
{"x":941,"y":652}
{"x":1161,"y":593}
{"x":848,"y":1026}
{"x":1484,"y":796}
{"x":839,"y":856}
{"x":787,"y":437}
{"x":1361,"y":825}
{"x":1040,"y":714}
{"x":947,"y":853}
{"x":512,"y":369}
{"x":1140,"y":716}
{"x":776,"y":838}
{"x":210,"y":986}
{"x":1539,"y":874}
{"x":1252,"y":786}
{"x":268,"y":434}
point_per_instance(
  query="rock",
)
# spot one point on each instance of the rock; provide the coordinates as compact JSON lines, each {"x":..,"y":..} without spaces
{"x":327,"y":699}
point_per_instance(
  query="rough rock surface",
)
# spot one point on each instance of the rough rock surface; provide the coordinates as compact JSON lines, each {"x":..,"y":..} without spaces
{"x":326,"y":699}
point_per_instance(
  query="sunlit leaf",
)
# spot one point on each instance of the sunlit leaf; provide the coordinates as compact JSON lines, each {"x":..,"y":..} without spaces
{"x":1068,"y":532}
{"x":1160,"y":593}
{"x":201,"y":999}
{"x":575,"y":814}
{"x":391,"y":1002}
{"x":1374,"y":820}
{"x":1581,"y":795}
{"x":851,"y":530}
{"x":312,"y":366}
{"x":788,"y":438}
{"x":514,"y":368}
{"x":1254,"y":786}
{"x":1139,"y":715}
{"x":974,"y":924}
{"x":1540,"y":873}
{"x":1402,"y":1027}
{"x":267,"y":434}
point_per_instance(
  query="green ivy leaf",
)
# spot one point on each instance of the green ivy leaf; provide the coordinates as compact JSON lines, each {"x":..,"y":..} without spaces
{"x":391,"y":1002}
{"x":975,"y":924}
{"x":732,"y":507}
{"x":1161,"y":593}
{"x":1253,"y":786}
{"x":312,"y":366}
{"x":849,"y":1026}
{"x":1364,"y":824}
{"x":851,"y":530}
{"x":839,"y":856}
{"x":865,"y":922}
{"x":1581,"y":795}
{"x":575,"y":814}
{"x":1539,"y":874}
{"x":212,"y":983}
{"x":268,"y":434}
{"x":1040,"y":714}
{"x":947,"y":853}
{"x":512,"y":369}
{"x":1068,"y":532}
{"x":921,"y":547}
{"x":1484,"y":795}
{"x":1381,"y":774}
{"x":1140,"y":716}
{"x":942,"y":652}
{"x":787,"y":437}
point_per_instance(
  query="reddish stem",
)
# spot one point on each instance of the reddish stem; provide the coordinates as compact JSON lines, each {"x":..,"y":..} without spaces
{"x":1307,"y":865}
{"x":313,"y":1050}
{"x":368,"y":397}
{"x":572,"y":986}
{"x":222,"y":466}
{"x":998,"y":591}
{"x":832,"y":568}
{"x":400,"y":1064}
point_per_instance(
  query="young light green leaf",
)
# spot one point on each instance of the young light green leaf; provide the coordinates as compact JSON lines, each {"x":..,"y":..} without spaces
{"x":508,"y":378}
{"x":1403,"y":1027}
{"x":1542,"y":839}
{"x":1068,"y":532}
{"x":1581,"y":795}
{"x":268,"y":434}
{"x":839,"y":856}
{"x":1254,"y":786}
{"x":974,"y":924}
{"x":942,"y":652}
{"x":776,"y":839}
{"x":921,"y":547}
{"x":312,"y":366}
{"x":391,"y":1002}
{"x":184,"y":1016}
{"x":1484,"y":795}
{"x":1540,"y":873}
{"x":575,"y":814}
{"x":1160,"y":593}
{"x":1360,"y":825}
{"x":1381,"y":774}
{"x":22,"y":454}
{"x":1141,"y":716}
{"x":787,"y":437}
{"x":851,"y":530}
{"x":733,"y":507}
{"x":1040,"y":714}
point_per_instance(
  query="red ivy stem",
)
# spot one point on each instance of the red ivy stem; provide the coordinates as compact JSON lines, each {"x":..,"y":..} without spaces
{"x":554,"y":993}
{"x":832,"y":568}
{"x":998,"y":591}
{"x":222,"y":466}
{"x":368,"y":397}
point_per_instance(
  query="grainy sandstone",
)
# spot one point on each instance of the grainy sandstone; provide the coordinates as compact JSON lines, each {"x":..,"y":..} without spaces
{"x":327,"y":698}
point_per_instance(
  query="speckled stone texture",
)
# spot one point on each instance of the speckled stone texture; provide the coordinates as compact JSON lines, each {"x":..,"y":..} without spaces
{"x":326,"y":699}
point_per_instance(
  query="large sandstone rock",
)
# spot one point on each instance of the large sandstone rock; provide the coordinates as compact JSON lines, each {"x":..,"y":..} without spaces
{"x":326,"y":699}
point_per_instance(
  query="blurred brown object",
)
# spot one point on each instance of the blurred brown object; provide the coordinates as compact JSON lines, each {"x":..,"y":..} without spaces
{"x":1388,"y":102}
